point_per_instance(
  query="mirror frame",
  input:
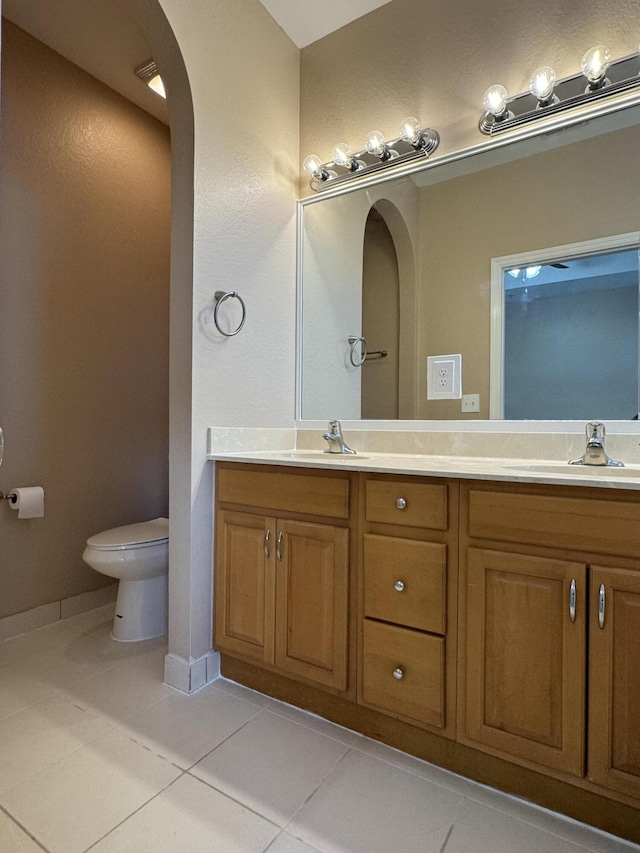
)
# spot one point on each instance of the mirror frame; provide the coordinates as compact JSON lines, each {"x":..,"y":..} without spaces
{"x":622,"y":109}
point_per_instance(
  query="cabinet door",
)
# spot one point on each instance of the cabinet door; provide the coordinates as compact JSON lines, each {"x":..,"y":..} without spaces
{"x":525,"y":658}
{"x":244,"y":585}
{"x":312,"y":600}
{"x":614,"y":681}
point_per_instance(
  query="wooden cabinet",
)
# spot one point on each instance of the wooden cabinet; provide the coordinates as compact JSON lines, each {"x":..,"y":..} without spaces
{"x":614,"y":680}
{"x":525,"y":657}
{"x":282,"y":584}
{"x":538,"y":567}
{"x":409,"y":600}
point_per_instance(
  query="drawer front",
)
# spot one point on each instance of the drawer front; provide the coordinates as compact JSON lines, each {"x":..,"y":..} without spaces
{"x":327,"y":496}
{"x":418,"y":659}
{"x":582,"y":524}
{"x":405,"y":582}
{"x":407,"y":502}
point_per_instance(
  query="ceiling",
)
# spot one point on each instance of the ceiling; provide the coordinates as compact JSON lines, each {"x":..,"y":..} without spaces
{"x":104,"y":39}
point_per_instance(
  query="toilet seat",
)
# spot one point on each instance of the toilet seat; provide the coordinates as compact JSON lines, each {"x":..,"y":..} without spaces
{"x":131,"y":536}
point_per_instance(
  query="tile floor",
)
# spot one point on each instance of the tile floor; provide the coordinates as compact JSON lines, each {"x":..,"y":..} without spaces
{"x":97,"y":754}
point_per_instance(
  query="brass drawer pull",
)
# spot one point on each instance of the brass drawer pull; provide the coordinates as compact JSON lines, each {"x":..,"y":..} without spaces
{"x":399,"y":586}
{"x":401,"y":503}
{"x":398,"y":673}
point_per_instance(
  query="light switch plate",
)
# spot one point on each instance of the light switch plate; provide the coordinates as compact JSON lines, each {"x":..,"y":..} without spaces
{"x":470,"y":403}
{"x":444,"y":377}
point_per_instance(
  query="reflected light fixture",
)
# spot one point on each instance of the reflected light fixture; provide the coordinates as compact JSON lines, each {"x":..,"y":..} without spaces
{"x":547,"y":97}
{"x":525,"y":274}
{"x":148,"y":72}
{"x":414,"y":142}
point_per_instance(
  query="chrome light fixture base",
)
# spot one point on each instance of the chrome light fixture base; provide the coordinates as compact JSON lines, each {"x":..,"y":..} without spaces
{"x":403,"y":152}
{"x":569,"y":93}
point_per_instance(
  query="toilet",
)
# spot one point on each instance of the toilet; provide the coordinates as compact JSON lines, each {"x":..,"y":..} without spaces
{"x":138,"y":555}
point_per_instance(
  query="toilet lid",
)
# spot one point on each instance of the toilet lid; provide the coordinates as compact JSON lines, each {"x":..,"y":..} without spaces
{"x":132,"y":535}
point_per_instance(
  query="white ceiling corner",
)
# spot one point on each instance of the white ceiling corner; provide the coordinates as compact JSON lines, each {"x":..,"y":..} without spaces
{"x":306,"y":21}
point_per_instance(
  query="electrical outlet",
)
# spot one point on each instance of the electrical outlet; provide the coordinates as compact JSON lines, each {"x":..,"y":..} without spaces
{"x":444,"y":377}
{"x":470,"y":403}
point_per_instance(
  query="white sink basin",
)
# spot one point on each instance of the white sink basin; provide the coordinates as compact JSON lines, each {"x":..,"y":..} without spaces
{"x":579,"y":470}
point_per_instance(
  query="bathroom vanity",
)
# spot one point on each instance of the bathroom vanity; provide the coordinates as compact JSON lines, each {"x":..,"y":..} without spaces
{"x":482,"y":616}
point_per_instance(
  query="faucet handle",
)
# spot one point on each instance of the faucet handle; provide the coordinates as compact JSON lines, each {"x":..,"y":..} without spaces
{"x":595,"y":431}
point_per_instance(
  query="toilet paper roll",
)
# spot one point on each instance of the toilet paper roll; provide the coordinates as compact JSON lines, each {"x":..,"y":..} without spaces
{"x":29,"y":501}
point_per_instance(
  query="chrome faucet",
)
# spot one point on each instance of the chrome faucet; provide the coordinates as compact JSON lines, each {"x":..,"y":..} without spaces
{"x":335,"y":439}
{"x":595,"y":453}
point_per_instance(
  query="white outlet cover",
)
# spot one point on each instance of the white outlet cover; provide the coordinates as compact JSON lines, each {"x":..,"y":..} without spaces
{"x":444,"y":377}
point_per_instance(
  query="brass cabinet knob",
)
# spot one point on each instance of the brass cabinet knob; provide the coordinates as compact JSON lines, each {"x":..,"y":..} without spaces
{"x":401,"y":503}
{"x":398,"y":586}
{"x":398,"y":673}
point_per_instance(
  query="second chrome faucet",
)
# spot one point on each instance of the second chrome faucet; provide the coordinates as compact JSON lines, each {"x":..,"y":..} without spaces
{"x":335,"y":439}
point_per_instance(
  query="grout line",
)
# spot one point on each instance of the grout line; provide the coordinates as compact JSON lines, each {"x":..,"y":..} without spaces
{"x":207,"y":754}
{"x":233,"y":799}
{"x":446,"y":841}
{"x":124,"y":820}
{"x":24,"y":829}
{"x":317,"y":788}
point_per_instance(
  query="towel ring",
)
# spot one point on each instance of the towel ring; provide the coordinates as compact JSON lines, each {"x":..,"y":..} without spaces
{"x":220,"y":297}
{"x":353,"y":357}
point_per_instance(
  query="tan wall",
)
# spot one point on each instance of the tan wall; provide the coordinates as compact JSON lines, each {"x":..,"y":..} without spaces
{"x":434,"y":60}
{"x":84,"y":274}
{"x":550,"y":199}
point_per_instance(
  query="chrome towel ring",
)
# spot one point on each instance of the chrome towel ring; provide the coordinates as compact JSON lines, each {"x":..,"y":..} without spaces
{"x":220,"y":297}
{"x":357,"y":361}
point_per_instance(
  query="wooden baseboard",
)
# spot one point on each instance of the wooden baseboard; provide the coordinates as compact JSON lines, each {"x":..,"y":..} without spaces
{"x":576,"y":802}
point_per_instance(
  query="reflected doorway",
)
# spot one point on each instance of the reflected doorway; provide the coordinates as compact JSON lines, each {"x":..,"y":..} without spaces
{"x":380,"y":321}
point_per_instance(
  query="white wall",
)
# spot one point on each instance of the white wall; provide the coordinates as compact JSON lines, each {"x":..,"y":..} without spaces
{"x":243,"y":73}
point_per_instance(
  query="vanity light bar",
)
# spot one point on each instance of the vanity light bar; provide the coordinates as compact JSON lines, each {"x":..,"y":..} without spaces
{"x":415,"y":142}
{"x":598,"y":80}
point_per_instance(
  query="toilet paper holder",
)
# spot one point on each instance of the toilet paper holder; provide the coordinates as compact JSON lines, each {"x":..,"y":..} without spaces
{"x":11,"y":496}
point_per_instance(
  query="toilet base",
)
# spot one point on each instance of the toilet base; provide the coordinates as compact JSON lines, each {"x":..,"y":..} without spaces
{"x":141,"y":610}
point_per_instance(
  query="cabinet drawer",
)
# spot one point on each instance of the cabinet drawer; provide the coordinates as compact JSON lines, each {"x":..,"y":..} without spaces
{"x":405,"y":582}
{"x":304,"y":493}
{"x":408,"y":502}
{"x":419,"y":658}
{"x":582,"y":524}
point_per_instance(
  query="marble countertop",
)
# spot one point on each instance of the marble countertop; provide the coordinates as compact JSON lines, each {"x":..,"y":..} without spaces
{"x":474,"y":468}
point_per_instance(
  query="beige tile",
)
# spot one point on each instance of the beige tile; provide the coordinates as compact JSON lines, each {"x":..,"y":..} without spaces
{"x":28,"y":649}
{"x":29,"y":620}
{"x":286,"y":843}
{"x":271,"y":765}
{"x":315,"y":723}
{"x":124,"y":689}
{"x":429,"y":772}
{"x":90,"y":620}
{"x":13,"y":839}
{"x":368,"y":806}
{"x":185,"y":728}
{"x":187,"y":817}
{"x":88,"y":601}
{"x":579,"y":834}
{"x":484,"y":830}
{"x":19,"y":690}
{"x":242,"y":692}
{"x":42,"y":734}
{"x":76,"y":801}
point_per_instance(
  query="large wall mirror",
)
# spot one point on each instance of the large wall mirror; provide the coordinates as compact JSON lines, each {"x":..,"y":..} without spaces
{"x":523,"y":259}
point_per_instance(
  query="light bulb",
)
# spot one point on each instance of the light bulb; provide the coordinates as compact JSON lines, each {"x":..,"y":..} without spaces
{"x":342,"y":156}
{"x":532,"y":272}
{"x":495,"y":100}
{"x":410,"y":130}
{"x":595,"y":63}
{"x":376,"y":144}
{"x":541,"y":83}
{"x":313,"y":165}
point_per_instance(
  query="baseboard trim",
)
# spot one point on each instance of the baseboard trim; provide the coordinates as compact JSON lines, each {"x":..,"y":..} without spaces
{"x":190,"y":676}
{"x":49,"y":614}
